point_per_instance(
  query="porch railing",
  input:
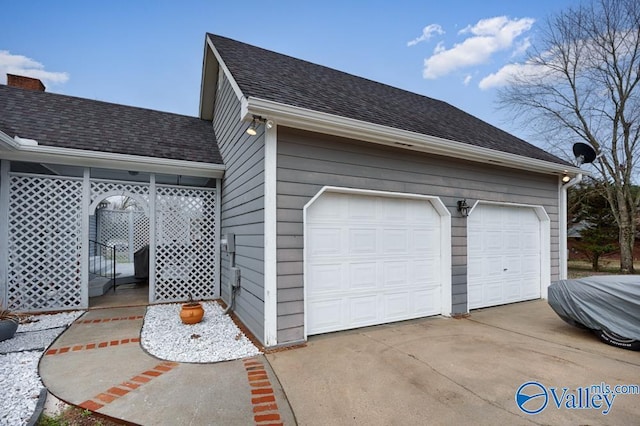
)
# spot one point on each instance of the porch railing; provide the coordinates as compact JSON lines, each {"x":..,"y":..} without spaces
{"x":98,"y":261}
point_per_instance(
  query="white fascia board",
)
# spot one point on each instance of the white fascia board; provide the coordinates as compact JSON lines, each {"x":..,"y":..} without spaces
{"x":291,"y":116}
{"x":7,"y":142}
{"x":227,"y":73}
{"x":108,"y":160}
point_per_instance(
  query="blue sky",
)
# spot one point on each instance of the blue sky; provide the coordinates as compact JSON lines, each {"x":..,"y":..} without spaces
{"x":149,"y":53}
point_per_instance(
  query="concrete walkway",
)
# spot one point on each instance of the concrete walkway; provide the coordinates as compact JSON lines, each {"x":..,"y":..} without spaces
{"x":98,"y":364}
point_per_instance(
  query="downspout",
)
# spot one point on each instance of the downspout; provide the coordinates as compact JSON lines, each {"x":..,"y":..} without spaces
{"x":564,"y":255}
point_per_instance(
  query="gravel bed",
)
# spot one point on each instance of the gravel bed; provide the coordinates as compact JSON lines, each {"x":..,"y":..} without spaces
{"x":20,"y":383}
{"x":215,"y":338}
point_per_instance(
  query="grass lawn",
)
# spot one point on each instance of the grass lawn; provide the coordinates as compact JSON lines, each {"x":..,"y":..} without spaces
{"x":581,"y":268}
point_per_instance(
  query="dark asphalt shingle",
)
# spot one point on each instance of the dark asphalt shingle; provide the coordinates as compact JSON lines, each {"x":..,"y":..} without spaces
{"x":276,"y":77}
{"x":71,"y":122}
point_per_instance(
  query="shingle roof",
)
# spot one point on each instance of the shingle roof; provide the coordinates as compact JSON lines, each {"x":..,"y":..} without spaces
{"x":276,"y":77}
{"x":71,"y":122}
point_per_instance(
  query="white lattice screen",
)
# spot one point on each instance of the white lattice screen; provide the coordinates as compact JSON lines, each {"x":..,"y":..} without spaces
{"x":186,"y":243}
{"x":44,"y":243}
{"x":128,"y":231}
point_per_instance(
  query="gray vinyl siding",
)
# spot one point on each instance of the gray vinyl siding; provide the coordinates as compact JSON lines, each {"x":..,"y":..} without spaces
{"x":242,"y":208}
{"x":308,"y":161}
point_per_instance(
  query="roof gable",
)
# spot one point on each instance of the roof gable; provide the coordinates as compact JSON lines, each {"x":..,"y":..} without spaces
{"x":69,"y":122}
{"x":264,"y":74}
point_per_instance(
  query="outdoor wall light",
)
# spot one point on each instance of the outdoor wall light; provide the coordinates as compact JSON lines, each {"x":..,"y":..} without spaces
{"x":255,"y":122}
{"x":251,"y":130}
{"x":463,"y":207}
{"x":565,"y":178}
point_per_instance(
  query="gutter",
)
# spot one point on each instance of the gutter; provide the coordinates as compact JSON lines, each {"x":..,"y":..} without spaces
{"x":302,"y":118}
{"x":562,"y":224}
{"x":108,"y":160}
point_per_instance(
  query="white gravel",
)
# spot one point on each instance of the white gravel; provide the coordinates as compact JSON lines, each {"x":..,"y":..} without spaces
{"x":20,"y":383}
{"x":215,"y":338}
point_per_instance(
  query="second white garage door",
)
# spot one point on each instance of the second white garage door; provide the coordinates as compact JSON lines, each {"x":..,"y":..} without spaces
{"x":504,"y":255}
{"x":370,"y":260}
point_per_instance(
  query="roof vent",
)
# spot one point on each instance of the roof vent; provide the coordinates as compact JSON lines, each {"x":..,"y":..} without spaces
{"x":25,"y":82}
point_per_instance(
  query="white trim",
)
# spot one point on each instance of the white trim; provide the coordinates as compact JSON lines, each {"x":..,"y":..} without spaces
{"x":270,"y":237}
{"x":545,"y":241}
{"x":218,"y":282}
{"x":84,"y":244}
{"x":445,"y":240}
{"x":287,"y":115}
{"x":5,"y":167}
{"x":102,"y":196}
{"x":225,"y":70}
{"x":563,"y":273}
{"x":152,"y":238}
{"x":108,"y":160}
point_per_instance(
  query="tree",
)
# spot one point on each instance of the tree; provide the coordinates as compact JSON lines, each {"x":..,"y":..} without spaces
{"x":588,"y":206}
{"x":580,"y":83}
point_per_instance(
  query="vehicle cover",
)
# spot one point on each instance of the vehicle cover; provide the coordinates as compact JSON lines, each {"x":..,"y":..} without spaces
{"x":603,"y":302}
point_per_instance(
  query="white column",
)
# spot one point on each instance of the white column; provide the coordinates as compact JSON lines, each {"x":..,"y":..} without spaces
{"x":4,"y":231}
{"x":270,"y":237}
{"x":84,"y":242}
{"x":152,"y":238}
{"x":218,"y":237}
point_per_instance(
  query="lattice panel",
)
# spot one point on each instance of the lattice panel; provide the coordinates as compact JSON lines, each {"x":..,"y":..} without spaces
{"x":126,"y":230}
{"x":186,"y":243}
{"x":44,"y":243}
{"x":101,"y":187}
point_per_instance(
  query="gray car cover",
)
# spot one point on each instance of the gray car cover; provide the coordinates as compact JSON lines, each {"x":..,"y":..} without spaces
{"x":609,"y":302}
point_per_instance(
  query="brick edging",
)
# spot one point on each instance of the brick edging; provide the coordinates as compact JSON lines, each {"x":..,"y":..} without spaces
{"x":101,"y":320}
{"x":125,"y":387}
{"x":265,"y":408}
{"x":89,"y":346}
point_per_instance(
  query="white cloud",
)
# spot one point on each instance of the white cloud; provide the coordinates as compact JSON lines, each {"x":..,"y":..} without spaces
{"x":488,"y":36}
{"x":521,"y":47}
{"x":467,"y":80}
{"x":427,"y":33}
{"x":506,"y":74}
{"x":21,"y":65}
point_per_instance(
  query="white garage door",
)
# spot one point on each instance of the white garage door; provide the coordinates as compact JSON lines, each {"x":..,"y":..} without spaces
{"x":504,"y":265}
{"x":370,"y":260}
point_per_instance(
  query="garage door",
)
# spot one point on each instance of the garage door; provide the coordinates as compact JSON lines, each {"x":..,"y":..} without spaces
{"x":504,"y":260}
{"x":370,"y":260}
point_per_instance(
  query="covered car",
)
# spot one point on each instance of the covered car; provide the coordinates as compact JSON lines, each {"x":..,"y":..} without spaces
{"x":607,"y":304}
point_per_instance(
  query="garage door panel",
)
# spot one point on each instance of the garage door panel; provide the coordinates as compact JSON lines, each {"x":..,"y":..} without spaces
{"x":394,"y":274}
{"x":396,"y":305}
{"x":504,"y":255}
{"x":361,"y":208}
{"x":362,"y":241}
{"x":325,"y":314}
{"x":388,"y":250}
{"x":328,"y":278}
{"x":327,"y":241}
{"x":363,"y":310}
{"x":395,"y":241}
{"x":363,"y":276}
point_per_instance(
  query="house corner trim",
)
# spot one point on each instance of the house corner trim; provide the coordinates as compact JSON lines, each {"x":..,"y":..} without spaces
{"x":270,"y":238}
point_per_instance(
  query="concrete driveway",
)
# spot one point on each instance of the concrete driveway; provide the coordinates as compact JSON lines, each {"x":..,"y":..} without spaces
{"x":458,"y":371}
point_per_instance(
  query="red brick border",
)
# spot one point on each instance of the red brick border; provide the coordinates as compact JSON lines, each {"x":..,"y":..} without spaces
{"x":115,"y":392}
{"x":265,"y":408}
{"x":89,"y":346}
{"x":101,"y":320}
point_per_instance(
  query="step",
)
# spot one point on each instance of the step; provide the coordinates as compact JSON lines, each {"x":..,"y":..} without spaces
{"x":99,"y":286}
